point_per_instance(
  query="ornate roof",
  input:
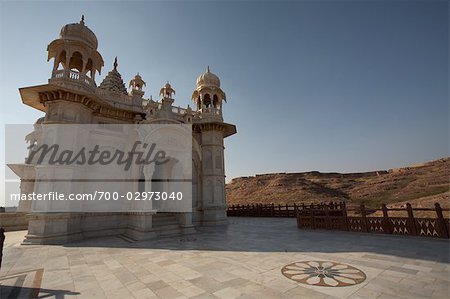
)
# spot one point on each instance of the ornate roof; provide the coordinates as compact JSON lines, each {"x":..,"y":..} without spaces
{"x":79,"y":32}
{"x":208,"y":83}
{"x":113,"y":81}
{"x":208,"y":79}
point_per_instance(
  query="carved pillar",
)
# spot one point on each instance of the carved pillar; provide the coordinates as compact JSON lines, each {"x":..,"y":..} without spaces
{"x":213,"y":174}
{"x":55,"y":64}
{"x":67,"y":68}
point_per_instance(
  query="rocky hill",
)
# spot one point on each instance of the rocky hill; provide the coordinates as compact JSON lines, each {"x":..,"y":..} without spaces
{"x":428,"y":181}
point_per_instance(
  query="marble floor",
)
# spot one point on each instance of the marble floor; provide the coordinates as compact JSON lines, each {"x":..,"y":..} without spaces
{"x":249,"y":258}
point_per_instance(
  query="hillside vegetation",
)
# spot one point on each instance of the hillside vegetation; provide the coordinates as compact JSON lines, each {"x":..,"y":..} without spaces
{"x":421,"y":184}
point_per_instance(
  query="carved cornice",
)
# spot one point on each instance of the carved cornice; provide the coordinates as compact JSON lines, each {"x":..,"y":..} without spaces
{"x":209,"y":126}
{"x":227,"y":129}
{"x":98,"y":108}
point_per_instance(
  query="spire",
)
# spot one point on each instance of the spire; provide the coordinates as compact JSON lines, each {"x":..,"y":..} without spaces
{"x":115,"y":64}
{"x":113,"y":81}
{"x":82,"y":20}
{"x":208,"y":69}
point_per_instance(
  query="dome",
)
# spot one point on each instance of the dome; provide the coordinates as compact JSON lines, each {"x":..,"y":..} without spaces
{"x":208,"y":79}
{"x":79,"y":32}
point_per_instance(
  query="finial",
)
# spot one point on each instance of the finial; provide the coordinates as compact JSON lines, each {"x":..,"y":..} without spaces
{"x":115,"y":63}
{"x":82,"y":20}
{"x":208,"y":69}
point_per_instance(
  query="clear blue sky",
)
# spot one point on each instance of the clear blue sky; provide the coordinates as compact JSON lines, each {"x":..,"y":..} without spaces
{"x":311,"y":85}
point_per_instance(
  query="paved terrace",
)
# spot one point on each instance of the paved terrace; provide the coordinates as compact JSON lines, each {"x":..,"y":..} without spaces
{"x":247,"y":259}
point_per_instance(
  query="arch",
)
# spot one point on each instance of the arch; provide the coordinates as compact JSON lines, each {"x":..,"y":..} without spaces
{"x":207,"y":100}
{"x":76,"y":61}
{"x":89,"y":67}
{"x":61,"y":59}
{"x":216,"y":103}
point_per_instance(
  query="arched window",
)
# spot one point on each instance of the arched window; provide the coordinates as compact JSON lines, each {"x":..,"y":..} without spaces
{"x":76,"y":61}
{"x":61,"y":60}
{"x":207,"y":100}
{"x":216,"y":101}
{"x":89,"y":67}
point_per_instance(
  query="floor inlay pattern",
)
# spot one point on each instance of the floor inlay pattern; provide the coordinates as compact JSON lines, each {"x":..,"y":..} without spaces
{"x":323,"y":273}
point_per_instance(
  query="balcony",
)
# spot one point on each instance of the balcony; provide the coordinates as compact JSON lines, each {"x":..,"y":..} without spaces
{"x":72,"y":77}
{"x":210,"y":114}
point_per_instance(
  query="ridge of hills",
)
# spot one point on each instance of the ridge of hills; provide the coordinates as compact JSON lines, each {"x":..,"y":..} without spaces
{"x":421,"y":184}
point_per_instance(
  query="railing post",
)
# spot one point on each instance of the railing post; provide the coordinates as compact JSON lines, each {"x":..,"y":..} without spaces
{"x":327,"y":217}
{"x":272,"y":212}
{"x":365,"y":225}
{"x":345,"y":217}
{"x":295,"y":210}
{"x":386,"y":223}
{"x":411,"y":220}
{"x":443,"y":231}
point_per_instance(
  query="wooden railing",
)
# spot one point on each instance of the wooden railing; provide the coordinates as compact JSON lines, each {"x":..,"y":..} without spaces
{"x":260,"y":210}
{"x":273,"y":210}
{"x":336,"y":216}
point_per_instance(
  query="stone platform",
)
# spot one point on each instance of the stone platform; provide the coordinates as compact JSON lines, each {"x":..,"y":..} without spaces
{"x":249,"y":258}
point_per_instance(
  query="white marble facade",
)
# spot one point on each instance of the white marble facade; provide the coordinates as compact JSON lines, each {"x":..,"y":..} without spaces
{"x":72,"y":96}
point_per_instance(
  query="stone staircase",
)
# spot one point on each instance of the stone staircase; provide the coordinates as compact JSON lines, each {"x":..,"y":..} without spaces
{"x":166,"y":224}
{"x":163,"y":224}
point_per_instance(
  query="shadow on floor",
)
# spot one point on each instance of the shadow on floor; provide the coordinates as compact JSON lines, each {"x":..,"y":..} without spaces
{"x":24,"y":292}
{"x":281,"y":235}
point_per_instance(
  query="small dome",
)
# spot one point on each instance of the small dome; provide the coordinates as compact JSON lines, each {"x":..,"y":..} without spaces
{"x":79,"y":32}
{"x":208,"y":79}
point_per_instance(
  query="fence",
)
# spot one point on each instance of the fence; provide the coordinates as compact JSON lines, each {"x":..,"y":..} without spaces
{"x":260,"y":210}
{"x":336,"y":216}
{"x":272,"y":210}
